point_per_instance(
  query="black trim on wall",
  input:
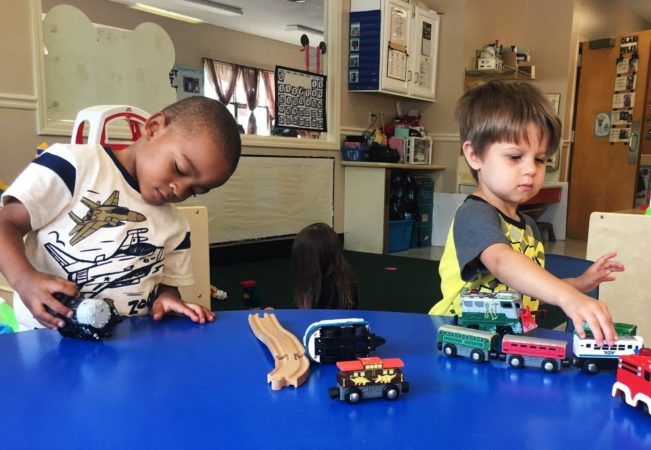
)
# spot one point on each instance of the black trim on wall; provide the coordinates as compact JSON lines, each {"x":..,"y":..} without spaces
{"x":227,"y":254}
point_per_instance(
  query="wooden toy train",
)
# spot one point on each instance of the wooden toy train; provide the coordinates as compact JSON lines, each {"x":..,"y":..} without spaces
{"x":369,"y":378}
{"x":488,"y":316}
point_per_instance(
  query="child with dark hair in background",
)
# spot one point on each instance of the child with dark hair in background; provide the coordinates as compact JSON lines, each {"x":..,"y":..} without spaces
{"x":99,"y":223}
{"x":323,"y":279}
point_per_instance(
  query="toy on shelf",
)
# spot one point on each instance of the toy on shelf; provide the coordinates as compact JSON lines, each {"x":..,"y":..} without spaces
{"x":477,"y":345}
{"x":250,"y":295}
{"x":369,"y":378}
{"x":633,"y":385}
{"x":292,"y":367}
{"x":93,"y":318}
{"x":590,"y":357}
{"x":499,"y":312}
{"x":531,"y":351}
{"x":335,"y":340}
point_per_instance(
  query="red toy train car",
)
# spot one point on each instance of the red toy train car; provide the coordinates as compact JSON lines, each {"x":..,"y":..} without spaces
{"x":633,"y":383}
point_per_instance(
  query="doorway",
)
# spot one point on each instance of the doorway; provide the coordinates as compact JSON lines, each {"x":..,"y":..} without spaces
{"x":609,"y":129}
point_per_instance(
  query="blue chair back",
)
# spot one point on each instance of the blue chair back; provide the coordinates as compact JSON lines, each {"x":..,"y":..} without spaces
{"x":562,"y":266}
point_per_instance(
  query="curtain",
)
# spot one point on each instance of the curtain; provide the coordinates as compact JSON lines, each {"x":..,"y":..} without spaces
{"x":250,"y":77}
{"x":224,"y":77}
{"x":270,"y":88}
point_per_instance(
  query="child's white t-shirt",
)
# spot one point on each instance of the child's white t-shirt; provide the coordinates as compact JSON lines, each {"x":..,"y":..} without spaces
{"x":91,"y":226}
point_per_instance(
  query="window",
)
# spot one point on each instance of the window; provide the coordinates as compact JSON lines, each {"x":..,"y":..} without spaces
{"x":235,"y":97}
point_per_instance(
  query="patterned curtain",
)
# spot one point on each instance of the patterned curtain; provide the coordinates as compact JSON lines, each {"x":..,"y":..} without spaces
{"x":270,"y":88}
{"x":250,"y":77}
{"x":224,"y":77}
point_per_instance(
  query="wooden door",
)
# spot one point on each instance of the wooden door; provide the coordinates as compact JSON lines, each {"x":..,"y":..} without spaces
{"x":602,"y":177}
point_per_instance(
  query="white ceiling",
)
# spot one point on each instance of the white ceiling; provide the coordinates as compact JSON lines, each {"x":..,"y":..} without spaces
{"x":267,"y":18}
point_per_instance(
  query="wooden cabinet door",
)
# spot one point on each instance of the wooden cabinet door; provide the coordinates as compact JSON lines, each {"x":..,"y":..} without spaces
{"x":603,"y":177}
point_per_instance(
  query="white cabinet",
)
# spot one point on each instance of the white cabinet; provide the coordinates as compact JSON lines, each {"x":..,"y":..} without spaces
{"x":393,"y":48}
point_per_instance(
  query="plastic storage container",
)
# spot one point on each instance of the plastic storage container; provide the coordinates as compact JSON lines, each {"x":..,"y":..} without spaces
{"x":399,"y":235}
{"x":354,"y":153}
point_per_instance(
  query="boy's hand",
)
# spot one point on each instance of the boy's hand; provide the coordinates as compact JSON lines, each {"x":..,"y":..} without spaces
{"x":596,"y":314}
{"x":599,"y":272}
{"x":37,"y":291}
{"x":168,"y":302}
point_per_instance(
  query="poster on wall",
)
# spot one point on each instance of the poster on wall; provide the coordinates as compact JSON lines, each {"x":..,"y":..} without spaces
{"x":187,"y":81}
{"x":300,"y":99}
{"x":621,"y":117}
{"x":626,"y":82}
{"x":620,"y":135}
{"x":602,"y":125}
{"x":624,"y":100}
{"x":626,"y":65}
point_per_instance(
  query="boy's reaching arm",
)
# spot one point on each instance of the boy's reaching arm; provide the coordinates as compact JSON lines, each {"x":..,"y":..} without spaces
{"x":36,"y":289}
{"x":169,"y":301}
{"x":520,"y":273}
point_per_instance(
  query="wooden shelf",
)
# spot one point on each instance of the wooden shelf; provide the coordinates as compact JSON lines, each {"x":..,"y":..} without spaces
{"x":380,"y":165}
{"x":506,"y":72}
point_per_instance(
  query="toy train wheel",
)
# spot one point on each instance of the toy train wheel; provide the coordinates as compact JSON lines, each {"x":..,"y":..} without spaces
{"x":353,"y":395}
{"x":516,"y":361}
{"x":477,"y":356}
{"x":549,"y":365}
{"x":644,"y":407}
{"x":333,"y":392}
{"x":390,"y":392}
{"x":590,"y":366}
{"x":450,"y":350}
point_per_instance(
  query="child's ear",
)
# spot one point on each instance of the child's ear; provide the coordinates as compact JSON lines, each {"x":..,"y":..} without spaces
{"x":154,"y":124}
{"x":473,"y":159}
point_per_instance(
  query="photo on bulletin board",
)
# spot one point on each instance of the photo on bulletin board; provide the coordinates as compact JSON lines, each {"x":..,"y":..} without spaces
{"x":187,"y":81}
{"x":300,"y":99}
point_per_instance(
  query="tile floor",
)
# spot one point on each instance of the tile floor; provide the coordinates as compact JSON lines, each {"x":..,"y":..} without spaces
{"x":569,"y":247}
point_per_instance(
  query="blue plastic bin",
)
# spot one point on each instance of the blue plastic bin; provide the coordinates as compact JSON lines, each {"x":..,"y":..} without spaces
{"x":399,"y":235}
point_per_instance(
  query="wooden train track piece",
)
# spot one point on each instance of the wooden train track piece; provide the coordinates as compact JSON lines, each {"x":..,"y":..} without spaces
{"x":292,"y":366}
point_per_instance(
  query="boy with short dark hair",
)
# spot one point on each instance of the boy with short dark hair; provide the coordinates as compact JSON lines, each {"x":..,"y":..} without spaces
{"x":98,"y":223}
{"x":508,"y":130}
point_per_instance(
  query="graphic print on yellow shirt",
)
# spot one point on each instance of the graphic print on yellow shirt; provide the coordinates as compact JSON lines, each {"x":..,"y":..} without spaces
{"x":478,"y":225}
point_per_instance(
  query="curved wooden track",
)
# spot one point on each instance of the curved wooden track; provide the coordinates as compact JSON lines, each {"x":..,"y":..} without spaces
{"x":292,"y":366}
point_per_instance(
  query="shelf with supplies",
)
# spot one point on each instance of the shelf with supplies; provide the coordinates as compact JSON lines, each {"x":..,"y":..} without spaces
{"x":367,"y":194}
{"x":526,"y":72}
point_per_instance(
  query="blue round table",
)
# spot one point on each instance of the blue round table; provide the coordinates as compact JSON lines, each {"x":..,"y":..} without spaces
{"x":175,"y":384}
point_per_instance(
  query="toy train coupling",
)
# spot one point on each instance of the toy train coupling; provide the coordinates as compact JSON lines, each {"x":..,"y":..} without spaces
{"x":93,"y":318}
{"x":329,"y":341}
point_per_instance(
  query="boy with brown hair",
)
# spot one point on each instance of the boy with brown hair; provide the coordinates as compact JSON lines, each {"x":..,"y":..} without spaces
{"x":99,"y":223}
{"x":508,"y":130}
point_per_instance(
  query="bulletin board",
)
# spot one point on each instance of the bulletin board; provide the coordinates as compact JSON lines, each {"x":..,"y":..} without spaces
{"x":300,"y":99}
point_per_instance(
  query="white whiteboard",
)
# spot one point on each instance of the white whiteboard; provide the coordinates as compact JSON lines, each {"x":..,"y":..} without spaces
{"x":270,"y":196}
{"x":88,"y":64}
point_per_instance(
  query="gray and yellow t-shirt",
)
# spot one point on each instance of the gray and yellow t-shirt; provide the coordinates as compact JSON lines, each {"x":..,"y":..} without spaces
{"x":476,"y":226}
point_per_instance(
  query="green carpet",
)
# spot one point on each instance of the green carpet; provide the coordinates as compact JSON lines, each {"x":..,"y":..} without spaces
{"x":386,"y":283}
{"x":413,"y":286}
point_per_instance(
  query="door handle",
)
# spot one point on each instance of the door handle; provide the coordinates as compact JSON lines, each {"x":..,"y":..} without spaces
{"x":634,"y":142}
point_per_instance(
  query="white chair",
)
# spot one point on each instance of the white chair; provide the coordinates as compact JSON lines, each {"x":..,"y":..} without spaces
{"x":98,"y":118}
